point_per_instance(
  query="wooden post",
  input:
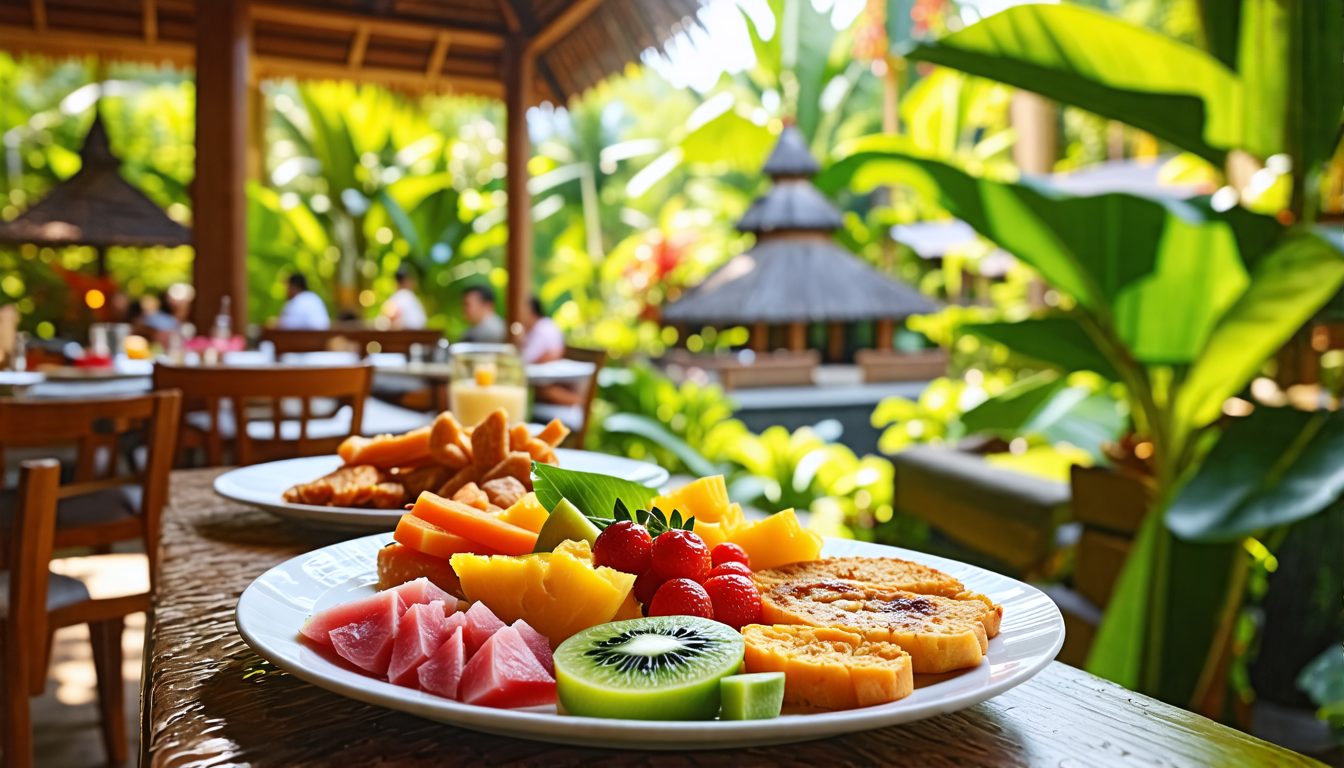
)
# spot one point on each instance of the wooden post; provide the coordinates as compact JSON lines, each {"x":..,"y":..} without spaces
{"x":835,"y":342}
{"x":883,"y":336}
{"x":797,"y":337}
{"x":223,"y":47}
{"x":760,"y":338}
{"x":519,"y":68}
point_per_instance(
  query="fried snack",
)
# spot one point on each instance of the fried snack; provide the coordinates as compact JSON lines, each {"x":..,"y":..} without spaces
{"x":519,"y":435}
{"x":490,"y":440}
{"x":553,"y":433}
{"x":452,"y":485}
{"x":940,"y":633}
{"x":387,"y":451}
{"x":417,"y":480}
{"x":504,"y":492}
{"x":828,"y":668}
{"x":515,"y":465}
{"x":449,"y":443}
{"x":358,"y":486}
{"x":471,"y":495}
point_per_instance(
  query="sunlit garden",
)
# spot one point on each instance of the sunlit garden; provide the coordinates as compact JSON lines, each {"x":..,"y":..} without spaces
{"x":1047,"y":297}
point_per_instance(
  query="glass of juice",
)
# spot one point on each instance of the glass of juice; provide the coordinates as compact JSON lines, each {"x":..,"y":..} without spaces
{"x":486,"y":377}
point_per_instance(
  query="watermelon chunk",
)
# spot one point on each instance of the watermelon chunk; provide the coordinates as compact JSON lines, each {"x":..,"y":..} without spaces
{"x":421,"y":591}
{"x":420,"y":632}
{"x":367,"y":643}
{"x":442,"y":671}
{"x":481,"y":625}
{"x":505,"y":673}
{"x":319,"y":627}
{"x":541,"y":647}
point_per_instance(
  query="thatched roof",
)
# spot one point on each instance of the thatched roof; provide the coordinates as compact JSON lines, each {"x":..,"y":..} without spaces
{"x":455,"y":45}
{"x":791,"y":205}
{"x":806,"y":279}
{"x":95,"y":207}
{"x":791,"y":156}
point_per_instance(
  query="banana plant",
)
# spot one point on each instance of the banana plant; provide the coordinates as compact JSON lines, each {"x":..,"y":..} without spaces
{"x":1179,"y":301}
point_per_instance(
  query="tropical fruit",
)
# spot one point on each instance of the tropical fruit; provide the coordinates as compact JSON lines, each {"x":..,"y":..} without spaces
{"x":940,"y":633}
{"x":420,"y":631}
{"x":878,"y":572}
{"x":387,"y":451}
{"x":480,"y":625}
{"x":705,"y":499}
{"x":777,"y":540}
{"x":657,"y":668}
{"x":506,"y":673}
{"x":751,"y":696}
{"x":398,"y":564}
{"x":367,"y":642}
{"x":430,"y":539}
{"x":565,"y":523}
{"x":527,"y":513}
{"x":558,"y":593}
{"x":473,"y":524}
{"x":826,"y":668}
{"x":422,"y":590}
{"x":537,"y":642}
{"x":377,"y":608}
{"x":442,"y":671}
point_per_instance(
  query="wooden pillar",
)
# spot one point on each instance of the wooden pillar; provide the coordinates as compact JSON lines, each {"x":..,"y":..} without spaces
{"x":883,"y":334}
{"x":760,"y":338}
{"x":797,"y":337}
{"x":835,"y":342}
{"x":519,"y":67}
{"x":223,"y":47}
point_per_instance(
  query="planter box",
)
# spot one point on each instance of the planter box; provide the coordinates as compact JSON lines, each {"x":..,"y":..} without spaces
{"x":1105,"y":499}
{"x":890,"y":365}
{"x":1097,"y":565}
{"x":772,"y":369}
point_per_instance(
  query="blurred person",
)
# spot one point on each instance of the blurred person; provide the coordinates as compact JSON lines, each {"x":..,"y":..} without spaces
{"x":403,"y":309}
{"x":478,"y":307}
{"x":177,"y":301}
{"x":543,"y":341}
{"x":304,"y":310}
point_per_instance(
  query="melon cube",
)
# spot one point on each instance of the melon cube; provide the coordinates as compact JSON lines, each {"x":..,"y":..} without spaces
{"x":420,"y":632}
{"x":367,"y":643}
{"x":541,"y":647}
{"x":442,"y":671}
{"x":505,"y":673}
{"x":319,"y":627}
{"x":421,"y":591}
{"x":480,"y":624}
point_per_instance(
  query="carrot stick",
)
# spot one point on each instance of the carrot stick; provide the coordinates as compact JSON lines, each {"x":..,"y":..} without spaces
{"x":432,"y":540}
{"x":474,"y":525}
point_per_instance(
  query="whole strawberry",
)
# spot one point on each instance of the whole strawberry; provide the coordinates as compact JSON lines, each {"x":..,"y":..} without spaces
{"x":729,"y":552}
{"x":625,"y":546}
{"x":646,"y":586}
{"x":679,"y":554}
{"x":732,"y":567}
{"x":681,"y":597}
{"x":735,"y":599}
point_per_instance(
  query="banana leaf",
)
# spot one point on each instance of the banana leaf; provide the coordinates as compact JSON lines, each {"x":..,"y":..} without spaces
{"x":1271,"y":468}
{"x":1057,"y":340}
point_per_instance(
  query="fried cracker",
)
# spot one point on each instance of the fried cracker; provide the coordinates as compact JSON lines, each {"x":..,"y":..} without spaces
{"x":447,"y":434}
{"x":467,"y":474}
{"x":517,"y":465}
{"x":471,"y":495}
{"x":504,"y":491}
{"x":553,"y":433}
{"x":490,"y":440}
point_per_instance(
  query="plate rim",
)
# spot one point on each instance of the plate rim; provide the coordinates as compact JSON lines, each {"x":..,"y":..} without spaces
{"x":674,"y":735}
{"x":356,"y":518}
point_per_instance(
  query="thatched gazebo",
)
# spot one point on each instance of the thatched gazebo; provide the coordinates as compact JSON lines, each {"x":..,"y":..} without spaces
{"x":95,"y":207}
{"x":796,"y":279}
{"x":521,"y":51}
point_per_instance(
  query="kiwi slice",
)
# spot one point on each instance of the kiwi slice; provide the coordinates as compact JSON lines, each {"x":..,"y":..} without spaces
{"x":658,"y":668}
{"x":753,"y":696}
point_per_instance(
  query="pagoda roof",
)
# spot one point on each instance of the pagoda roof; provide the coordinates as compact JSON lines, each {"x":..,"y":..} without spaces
{"x":791,"y":155}
{"x":792,"y":204}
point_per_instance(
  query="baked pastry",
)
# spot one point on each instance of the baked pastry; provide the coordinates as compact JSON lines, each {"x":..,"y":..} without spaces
{"x":826,"y":668}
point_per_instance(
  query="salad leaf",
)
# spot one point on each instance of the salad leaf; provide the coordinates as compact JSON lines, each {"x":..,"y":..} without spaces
{"x":595,"y":495}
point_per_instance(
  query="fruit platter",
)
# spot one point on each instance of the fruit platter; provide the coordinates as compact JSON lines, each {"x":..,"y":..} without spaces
{"x":366,"y":485}
{"x":597,"y":611}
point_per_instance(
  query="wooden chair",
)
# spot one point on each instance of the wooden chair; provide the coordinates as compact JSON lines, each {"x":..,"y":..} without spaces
{"x":253,"y":409}
{"x":362,"y":341}
{"x":36,"y":603}
{"x":570,"y":405}
{"x":102,"y":505}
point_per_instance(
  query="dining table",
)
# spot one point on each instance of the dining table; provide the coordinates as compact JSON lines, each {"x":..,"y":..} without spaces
{"x":209,"y":699}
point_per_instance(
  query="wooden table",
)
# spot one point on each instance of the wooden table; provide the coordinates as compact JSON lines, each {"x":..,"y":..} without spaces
{"x":208,"y":699}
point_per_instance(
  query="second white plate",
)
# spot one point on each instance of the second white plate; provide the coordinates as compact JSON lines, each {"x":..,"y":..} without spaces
{"x":264,"y":485}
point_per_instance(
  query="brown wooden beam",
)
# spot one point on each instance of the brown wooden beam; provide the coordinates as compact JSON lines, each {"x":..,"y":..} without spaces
{"x":357,"y":47}
{"x":437,"y":56}
{"x":835,"y":342}
{"x":39,"y":8}
{"x":519,"y":71}
{"x":280,"y":67}
{"x":20,"y":39}
{"x":884,"y":334}
{"x":510,"y":16}
{"x":150,"y":20}
{"x":760,"y":338}
{"x":219,"y":203}
{"x":561,"y":25}
{"x":797,"y":337}
{"x":349,"y":22}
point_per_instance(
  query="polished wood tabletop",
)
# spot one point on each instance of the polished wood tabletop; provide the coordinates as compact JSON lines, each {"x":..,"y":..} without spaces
{"x":210,"y":700}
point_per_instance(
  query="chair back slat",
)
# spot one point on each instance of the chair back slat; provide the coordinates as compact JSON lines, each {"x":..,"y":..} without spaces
{"x":358,"y":339}
{"x":579,"y":437}
{"x":25,"y":634}
{"x":245,"y":387}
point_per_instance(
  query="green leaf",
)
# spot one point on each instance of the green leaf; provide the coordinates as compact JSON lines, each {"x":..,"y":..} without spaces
{"x":639,"y":425}
{"x":1057,"y":340}
{"x":595,"y":495}
{"x":1117,"y":651}
{"x":1160,"y":271}
{"x":1322,"y":679}
{"x":1010,"y":412}
{"x":1222,"y":27}
{"x":1105,"y":65}
{"x":1287,"y":287}
{"x":1317,"y":34}
{"x":1274,"y":467}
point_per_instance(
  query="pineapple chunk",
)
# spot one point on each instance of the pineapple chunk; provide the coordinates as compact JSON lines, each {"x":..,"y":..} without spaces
{"x":705,"y":499}
{"x":527,"y":513}
{"x":777,"y":540}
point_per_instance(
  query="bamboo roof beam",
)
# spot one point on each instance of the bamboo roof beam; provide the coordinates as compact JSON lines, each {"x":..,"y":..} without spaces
{"x":561,"y":25}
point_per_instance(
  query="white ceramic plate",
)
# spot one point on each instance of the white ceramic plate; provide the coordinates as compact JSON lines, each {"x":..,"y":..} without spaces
{"x":273,"y":608}
{"x":264,"y":485}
